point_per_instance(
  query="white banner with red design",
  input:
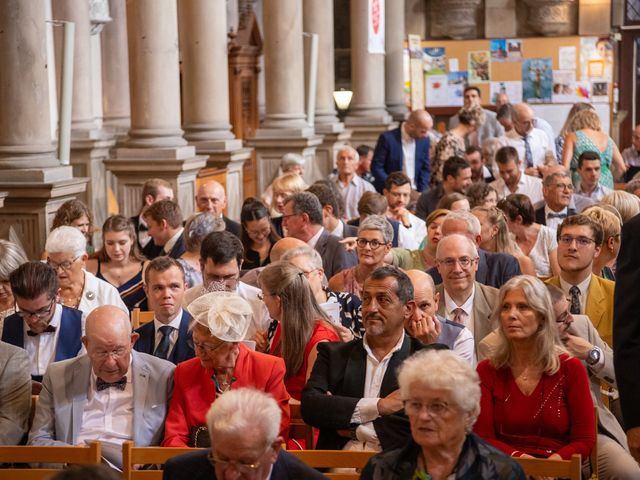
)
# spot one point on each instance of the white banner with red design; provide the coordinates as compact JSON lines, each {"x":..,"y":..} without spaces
{"x":376,"y":26}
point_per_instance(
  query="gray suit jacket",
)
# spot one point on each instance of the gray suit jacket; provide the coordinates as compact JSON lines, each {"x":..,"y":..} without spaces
{"x":491,"y":128}
{"x":334,"y":256}
{"x":15,"y":393}
{"x":583,"y":328}
{"x":484,"y":300}
{"x":64,"y":396}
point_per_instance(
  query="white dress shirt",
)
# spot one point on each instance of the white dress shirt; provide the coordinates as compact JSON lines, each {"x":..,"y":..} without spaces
{"x":42,"y":348}
{"x":172,"y":241}
{"x":538,"y":142}
{"x":583,"y":286}
{"x":408,"y":156}
{"x":143,"y":235}
{"x":173,"y":336}
{"x":314,"y":240}
{"x":417,"y":231}
{"x":351,"y":194}
{"x":554,"y":222}
{"x":528,"y":185}
{"x":450,"y":305}
{"x":366,"y":410}
{"x":465,"y":346}
{"x":339,"y":230}
{"x":597,"y":193}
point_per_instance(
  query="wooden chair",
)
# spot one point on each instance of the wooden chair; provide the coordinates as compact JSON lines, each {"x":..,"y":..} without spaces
{"x":139,"y":318}
{"x":299,"y":429}
{"x":132,"y":456}
{"x":32,"y":411}
{"x":571,"y":469}
{"x":57,"y":455}
{"x":335,"y":459}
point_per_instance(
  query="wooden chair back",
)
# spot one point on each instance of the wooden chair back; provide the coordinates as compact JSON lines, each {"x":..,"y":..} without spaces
{"x":32,"y":411}
{"x":543,"y":467}
{"x":335,"y":459}
{"x":132,"y":456}
{"x":89,"y":455}
{"x":139,"y":318}
{"x":299,"y":429}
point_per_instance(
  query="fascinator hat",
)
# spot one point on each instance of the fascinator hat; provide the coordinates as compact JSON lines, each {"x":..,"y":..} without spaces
{"x":226,"y":315}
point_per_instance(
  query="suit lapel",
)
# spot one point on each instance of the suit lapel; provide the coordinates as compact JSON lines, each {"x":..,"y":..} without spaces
{"x":481,"y":313}
{"x":596,"y":302}
{"x":321,"y":244}
{"x":441,"y":304}
{"x":140,"y":378}
{"x":353,"y":373}
{"x":390,"y":379}
{"x":78,"y":386}
{"x":181,"y":348}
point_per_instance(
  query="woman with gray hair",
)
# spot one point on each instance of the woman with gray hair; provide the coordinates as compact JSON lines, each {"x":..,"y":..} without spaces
{"x":375,"y":235}
{"x":536,"y":400}
{"x":197,"y":227}
{"x":11,"y":257}
{"x":66,"y":254}
{"x":441,"y":396}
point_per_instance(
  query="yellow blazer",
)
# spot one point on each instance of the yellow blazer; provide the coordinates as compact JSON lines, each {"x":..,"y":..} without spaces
{"x":599,"y":307}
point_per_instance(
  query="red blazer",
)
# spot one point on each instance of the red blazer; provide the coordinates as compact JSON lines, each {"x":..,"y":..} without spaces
{"x":194,"y":392}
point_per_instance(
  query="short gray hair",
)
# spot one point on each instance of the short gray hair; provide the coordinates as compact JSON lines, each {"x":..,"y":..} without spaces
{"x":239,"y":411}
{"x":443,"y":370}
{"x":199,"y":226}
{"x":348,"y":148}
{"x":456,"y":236}
{"x":473,"y":224}
{"x":549,"y":179}
{"x":290,"y":160}
{"x":11,"y":257}
{"x":66,"y":239}
{"x":378,"y":223}
{"x":311,"y":254}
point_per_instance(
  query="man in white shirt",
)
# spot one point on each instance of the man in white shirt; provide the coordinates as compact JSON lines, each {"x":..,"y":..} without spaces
{"x":351,"y":186}
{"x":165,"y":228}
{"x":557,"y":191}
{"x":512,"y":179}
{"x":112,"y":394}
{"x":397,"y":191}
{"x":590,"y":190}
{"x":352,"y":394}
{"x":153,"y":190}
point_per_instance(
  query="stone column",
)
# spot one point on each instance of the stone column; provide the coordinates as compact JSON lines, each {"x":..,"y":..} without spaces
{"x":318,"y":18}
{"x":394,"y":71}
{"x":285,"y":128}
{"x":155,"y":145}
{"x":29,"y":170}
{"x":500,"y":19}
{"x":415,"y":17}
{"x":367,"y":115}
{"x":205,"y":92}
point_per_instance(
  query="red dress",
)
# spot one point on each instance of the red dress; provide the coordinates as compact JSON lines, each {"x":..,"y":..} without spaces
{"x":321,"y":331}
{"x":558,"y":417}
{"x":194,"y":392}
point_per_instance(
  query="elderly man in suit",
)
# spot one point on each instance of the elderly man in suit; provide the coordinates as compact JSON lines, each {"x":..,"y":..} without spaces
{"x":245,"y":443}
{"x":112,"y":393}
{"x":352,"y":394}
{"x":491,"y":128}
{"x":557,"y":191}
{"x":404,"y":149}
{"x":15,"y":394}
{"x":583,"y":342}
{"x":579,"y":242}
{"x":212,"y":198}
{"x":165,"y":228}
{"x":302,"y":219}
{"x":167,"y":336}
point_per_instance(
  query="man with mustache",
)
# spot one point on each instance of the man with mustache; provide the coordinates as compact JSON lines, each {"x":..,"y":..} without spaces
{"x":352,"y":394}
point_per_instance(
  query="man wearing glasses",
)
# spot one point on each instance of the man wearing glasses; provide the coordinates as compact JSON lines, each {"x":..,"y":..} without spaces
{"x":557,"y":191}
{"x":579,"y":241}
{"x":111,"y":394}
{"x":47,"y":330}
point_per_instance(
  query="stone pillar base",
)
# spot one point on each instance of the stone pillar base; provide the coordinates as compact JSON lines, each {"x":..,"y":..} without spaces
{"x":326,"y":152}
{"x":133,"y":166}
{"x":233,"y":162}
{"x":270,"y":147}
{"x":399,"y":112}
{"x":30,"y":206}
{"x":368,"y":134}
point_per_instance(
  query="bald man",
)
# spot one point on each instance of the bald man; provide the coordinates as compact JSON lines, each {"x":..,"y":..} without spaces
{"x":277,"y":251}
{"x":212,"y":198}
{"x":429,"y":327}
{"x":112,"y":394}
{"x":404,"y":149}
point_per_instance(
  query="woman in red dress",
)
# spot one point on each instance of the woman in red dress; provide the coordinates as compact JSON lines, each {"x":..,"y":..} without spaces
{"x":535,"y":397}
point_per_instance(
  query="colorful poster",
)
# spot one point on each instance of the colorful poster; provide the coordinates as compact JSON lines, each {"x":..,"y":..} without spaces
{"x":458,"y":81}
{"x":437,"y":90}
{"x":479,"y":66}
{"x":596,"y":59}
{"x":512,"y":89}
{"x":537,"y":80}
{"x":434,"y":61}
{"x":514,"y":50}
{"x":600,"y":92}
{"x":583,"y":91}
{"x":498,"y":48}
{"x":564,"y":86}
{"x":375,"y":14}
{"x":416,"y":72}
{"x":567,"y":58}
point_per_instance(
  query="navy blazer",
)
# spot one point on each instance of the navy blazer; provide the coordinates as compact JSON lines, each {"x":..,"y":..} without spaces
{"x":181,"y":350}
{"x":388,"y":158}
{"x":542,"y":219}
{"x":196,"y":466}
{"x":178,"y":249}
{"x":69,"y":342}
{"x":231,"y":226}
{"x":494,"y":269}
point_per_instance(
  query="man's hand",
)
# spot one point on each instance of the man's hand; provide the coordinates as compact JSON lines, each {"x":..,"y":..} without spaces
{"x":423,"y":327}
{"x":533,"y":171}
{"x":577,"y":346}
{"x":261,"y":341}
{"x":390,"y":404}
{"x":401,"y":214}
{"x":349,"y":243}
{"x":633,"y":439}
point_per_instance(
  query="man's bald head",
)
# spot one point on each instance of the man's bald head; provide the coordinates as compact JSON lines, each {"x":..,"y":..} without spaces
{"x":211,"y":198}
{"x":523,"y":118}
{"x":283,"y":245}
{"x":424,"y":291}
{"x":107,"y":317}
{"x":418,"y":124}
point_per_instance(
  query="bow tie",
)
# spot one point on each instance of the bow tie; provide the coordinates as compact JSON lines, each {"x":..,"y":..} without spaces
{"x":556,"y":215}
{"x":143,"y":228}
{"x":120,"y":384}
{"x":49,"y":329}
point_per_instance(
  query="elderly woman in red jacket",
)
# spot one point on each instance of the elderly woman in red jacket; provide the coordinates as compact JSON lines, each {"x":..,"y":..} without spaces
{"x":222,"y":363}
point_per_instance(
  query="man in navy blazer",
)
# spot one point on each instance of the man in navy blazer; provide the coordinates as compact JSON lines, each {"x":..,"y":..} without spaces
{"x":411,"y":139}
{"x":167,"y":336}
{"x":165,"y":229}
{"x":47,"y":330}
{"x":245,"y":443}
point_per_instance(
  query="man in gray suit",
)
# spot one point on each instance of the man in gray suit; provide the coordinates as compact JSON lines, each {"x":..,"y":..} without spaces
{"x":583,"y":341}
{"x":15,"y":393}
{"x":112,"y":393}
{"x":491,"y":128}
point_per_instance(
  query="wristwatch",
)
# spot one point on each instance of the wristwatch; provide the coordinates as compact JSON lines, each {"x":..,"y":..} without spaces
{"x":594,"y":356}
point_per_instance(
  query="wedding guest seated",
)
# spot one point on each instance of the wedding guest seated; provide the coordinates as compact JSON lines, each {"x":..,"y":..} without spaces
{"x":441,"y":397}
{"x":66,"y":254}
{"x":15,"y":394}
{"x":454,"y":201}
{"x":153,"y":190}
{"x":626,"y":203}
{"x":283,"y":187}
{"x":290,"y":163}
{"x":557,"y":191}
{"x":425,"y":257}
{"x":611,"y":225}
{"x":350,"y":185}
{"x":397,"y":191}
{"x":513,"y":179}
{"x":257,"y":234}
{"x":372,"y":203}
{"x":198,"y":226}
{"x":333,"y":208}
{"x":74,"y":213}
{"x":223,"y":363}
{"x":480,"y":173}
{"x":589,"y":190}
{"x":48,"y":331}
{"x":282,"y":246}
{"x":212,"y":198}
{"x":481,"y":194}
{"x":165,"y":228}
{"x":11,"y":257}
{"x":456,"y":174}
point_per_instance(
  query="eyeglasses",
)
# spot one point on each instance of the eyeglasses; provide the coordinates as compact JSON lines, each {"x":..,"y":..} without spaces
{"x":40,"y":314}
{"x":284,"y":217}
{"x":581,"y":242}
{"x":117,"y":353}
{"x":465,"y":262}
{"x":414,"y":407}
{"x":242,"y":468}
{"x":563,"y":186}
{"x":563,"y":320}
{"x":66,"y":265}
{"x":533,"y":122}
{"x":263,"y":232}
{"x":204,"y":346}
{"x":374,"y":244}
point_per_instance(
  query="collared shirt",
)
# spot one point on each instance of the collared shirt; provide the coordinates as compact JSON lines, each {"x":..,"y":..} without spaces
{"x":406,"y":238}
{"x":366,"y":410}
{"x":408,"y":156}
{"x":631,"y":156}
{"x":339,"y":230}
{"x":583,"y":286}
{"x":172,"y":241}
{"x":450,"y":305}
{"x":143,"y":235}
{"x":42,"y":348}
{"x":351,"y":194}
{"x":314,"y":240}
{"x":173,"y":336}
{"x":417,"y":231}
{"x":597,"y":193}
{"x":538,"y":141}
{"x":554,"y":222}
{"x":528,"y":185}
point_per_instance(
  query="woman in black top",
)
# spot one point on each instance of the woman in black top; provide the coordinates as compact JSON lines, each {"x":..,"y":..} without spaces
{"x":258,"y":235}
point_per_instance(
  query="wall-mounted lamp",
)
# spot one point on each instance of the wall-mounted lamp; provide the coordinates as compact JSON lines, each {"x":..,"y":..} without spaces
{"x":342,"y":98}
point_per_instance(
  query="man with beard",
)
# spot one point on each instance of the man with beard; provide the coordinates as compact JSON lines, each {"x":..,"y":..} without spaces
{"x":397,"y":191}
{"x":456,"y":177}
{"x":512,"y":179}
{"x":557,"y":191}
{"x":352,"y":394}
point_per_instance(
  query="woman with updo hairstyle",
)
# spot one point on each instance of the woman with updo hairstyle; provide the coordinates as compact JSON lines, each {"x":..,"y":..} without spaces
{"x":11,"y":257}
{"x":627,"y":204}
{"x":76,"y":214}
{"x":481,"y":194}
{"x":258,"y":235}
{"x":198,"y":226}
{"x":604,"y":263}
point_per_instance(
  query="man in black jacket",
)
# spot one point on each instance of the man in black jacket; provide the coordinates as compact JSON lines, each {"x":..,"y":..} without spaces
{"x":212,"y":198}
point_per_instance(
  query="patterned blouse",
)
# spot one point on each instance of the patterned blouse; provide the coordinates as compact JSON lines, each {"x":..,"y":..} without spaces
{"x":450,"y":145}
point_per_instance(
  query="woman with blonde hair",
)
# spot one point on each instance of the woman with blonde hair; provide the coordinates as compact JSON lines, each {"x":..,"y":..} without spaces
{"x":497,"y":238}
{"x":284,"y":186}
{"x":612,"y":227}
{"x":627,"y":204}
{"x":587,"y":135}
{"x":568,"y":125}
{"x":536,"y":400}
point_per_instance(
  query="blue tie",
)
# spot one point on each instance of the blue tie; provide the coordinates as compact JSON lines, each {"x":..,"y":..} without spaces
{"x":528,"y":156}
{"x":162,"y":350}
